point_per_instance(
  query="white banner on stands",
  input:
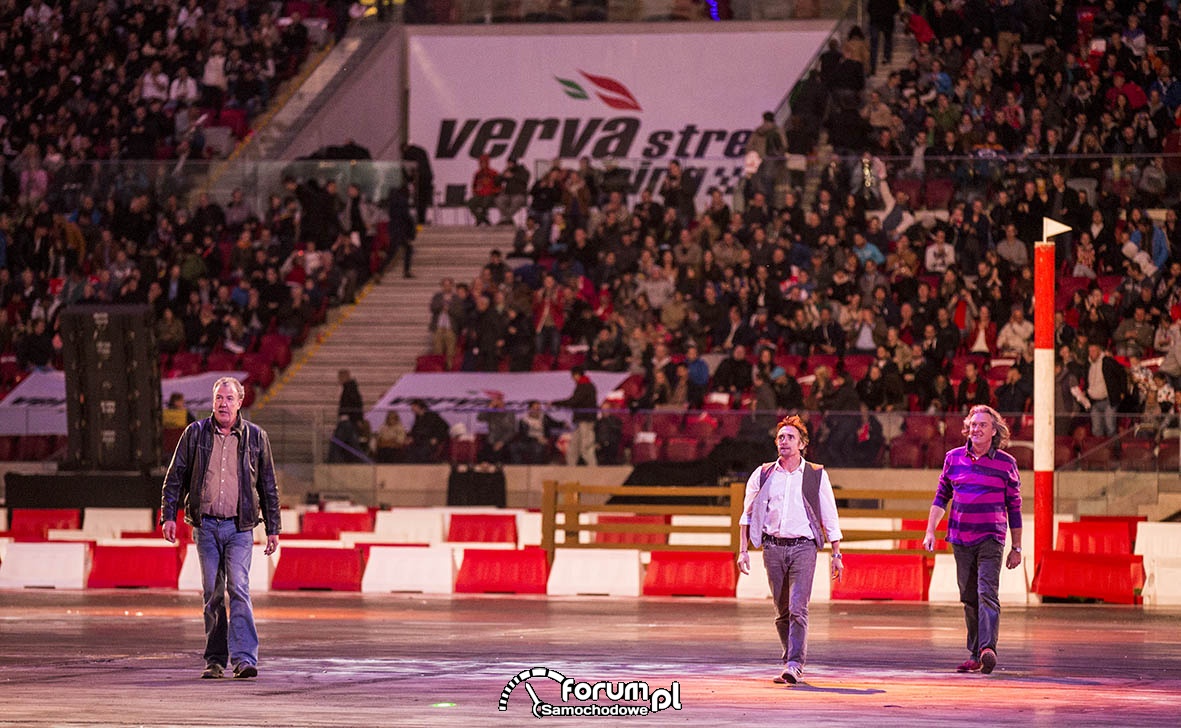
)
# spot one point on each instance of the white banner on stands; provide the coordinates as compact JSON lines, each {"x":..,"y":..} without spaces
{"x":655,"y":97}
{"x":458,"y":396}
{"x":37,"y":406}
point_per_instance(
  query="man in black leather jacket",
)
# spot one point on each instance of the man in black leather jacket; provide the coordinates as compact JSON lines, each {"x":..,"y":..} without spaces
{"x":223,"y":475}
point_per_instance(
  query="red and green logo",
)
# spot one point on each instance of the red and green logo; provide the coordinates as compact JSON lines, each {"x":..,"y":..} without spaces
{"x":611,"y":92}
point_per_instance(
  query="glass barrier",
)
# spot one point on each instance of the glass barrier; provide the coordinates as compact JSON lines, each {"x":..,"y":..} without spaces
{"x":615,"y":11}
{"x":71,"y":182}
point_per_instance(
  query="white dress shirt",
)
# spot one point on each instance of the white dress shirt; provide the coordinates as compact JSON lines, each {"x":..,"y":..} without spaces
{"x":786,"y":516}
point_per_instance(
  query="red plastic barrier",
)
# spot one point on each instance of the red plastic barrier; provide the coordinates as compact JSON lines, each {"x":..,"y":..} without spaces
{"x":487,"y":571}
{"x":691,"y":574}
{"x":633,"y":538}
{"x":1094,"y":537}
{"x":902,"y":577}
{"x":33,"y":524}
{"x":115,"y":567}
{"x":328,"y":525}
{"x":1129,"y":521}
{"x":482,"y":527}
{"x":318,"y":568}
{"x":920,"y":524}
{"x":1112,"y":578}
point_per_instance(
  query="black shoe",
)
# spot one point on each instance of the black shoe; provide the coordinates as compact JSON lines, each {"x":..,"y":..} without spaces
{"x":212,"y":671}
{"x":407,"y":274}
{"x":245,"y":670}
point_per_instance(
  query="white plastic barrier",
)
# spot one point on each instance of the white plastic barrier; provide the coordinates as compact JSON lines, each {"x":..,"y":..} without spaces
{"x":103,"y":523}
{"x":3,"y":519}
{"x":68,"y":534}
{"x":427,"y":569}
{"x":699,"y":539}
{"x":262,"y":568}
{"x":870,"y":524}
{"x":4,"y":541}
{"x":410,"y":525}
{"x":1160,"y":545}
{"x":755,"y":586}
{"x":1014,"y":586}
{"x":611,"y":572}
{"x":289,"y":520}
{"x":43,"y":565}
{"x":528,"y":529}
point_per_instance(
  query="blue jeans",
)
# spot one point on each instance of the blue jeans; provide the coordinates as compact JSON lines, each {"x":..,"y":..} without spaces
{"x":789,"y":572}
{"x":978,"y":571}
{"x":1102,"y":418}
{"x":225,"y":554}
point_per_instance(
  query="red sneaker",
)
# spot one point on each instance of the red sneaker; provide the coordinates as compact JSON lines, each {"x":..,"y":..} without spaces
{"x":969,"y":666}
{"x":987,"y":660}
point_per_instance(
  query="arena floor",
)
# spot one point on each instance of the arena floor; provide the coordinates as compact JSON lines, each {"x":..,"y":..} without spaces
{"x":115,"y":658}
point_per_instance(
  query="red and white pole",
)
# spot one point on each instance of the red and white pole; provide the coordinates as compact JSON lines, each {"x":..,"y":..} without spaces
{"x":1043,"y":388}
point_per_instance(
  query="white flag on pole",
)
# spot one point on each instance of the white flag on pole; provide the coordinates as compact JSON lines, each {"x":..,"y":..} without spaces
{"x":1051,"y":227}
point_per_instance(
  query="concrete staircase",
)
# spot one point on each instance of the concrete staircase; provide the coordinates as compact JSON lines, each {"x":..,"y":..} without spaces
{"x":377,"y":340}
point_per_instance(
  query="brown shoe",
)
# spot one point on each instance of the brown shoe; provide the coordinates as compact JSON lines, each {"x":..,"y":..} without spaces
{"x":212,"y":671}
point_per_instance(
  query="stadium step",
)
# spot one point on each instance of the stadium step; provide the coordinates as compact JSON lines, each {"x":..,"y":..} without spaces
{"x":377,"y":340}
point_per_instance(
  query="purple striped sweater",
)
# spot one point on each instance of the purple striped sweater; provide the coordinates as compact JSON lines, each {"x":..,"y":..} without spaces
{"x":983,"y":493}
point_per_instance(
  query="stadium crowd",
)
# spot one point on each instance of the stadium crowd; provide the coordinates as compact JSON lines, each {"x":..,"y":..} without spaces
{"x":906,"y":286}
{"x":104,"y":109}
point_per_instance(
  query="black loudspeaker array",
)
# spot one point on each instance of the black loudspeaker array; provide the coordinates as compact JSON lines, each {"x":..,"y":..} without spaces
{"x":112,"y":387}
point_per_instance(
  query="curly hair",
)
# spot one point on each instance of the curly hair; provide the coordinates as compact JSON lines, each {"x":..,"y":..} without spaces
{"x":1000,"y":438}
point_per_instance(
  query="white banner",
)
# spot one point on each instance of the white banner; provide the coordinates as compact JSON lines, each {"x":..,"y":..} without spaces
{"x":693,"y":96}
{"x":37,"y":406}
{"x":459,"y":396}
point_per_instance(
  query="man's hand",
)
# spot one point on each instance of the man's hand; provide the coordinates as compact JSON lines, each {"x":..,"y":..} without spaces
{"x":744,"y":562}
{"x":929,"y":541}
{"x":272,"y":544}
{"x":169,"y":531}
{"x":838,"y":567}
{"x":1014,"y":559}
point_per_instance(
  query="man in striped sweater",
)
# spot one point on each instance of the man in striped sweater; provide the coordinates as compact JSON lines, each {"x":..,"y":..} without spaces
{"x":982,"y":484}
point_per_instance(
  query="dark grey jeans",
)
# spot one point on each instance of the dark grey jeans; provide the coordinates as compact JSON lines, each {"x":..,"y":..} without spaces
{"x":978,"y":568}
{"x":789,"y":571}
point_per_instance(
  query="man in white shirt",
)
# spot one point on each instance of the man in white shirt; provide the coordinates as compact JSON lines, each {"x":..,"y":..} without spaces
{"x":940,"y":253}
{"x":790,"y":511}
{"x":1016,"y":334}
{"x":155,"y":83}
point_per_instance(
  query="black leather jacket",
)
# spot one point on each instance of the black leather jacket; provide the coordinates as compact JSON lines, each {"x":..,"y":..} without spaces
{"x":256,"y":476}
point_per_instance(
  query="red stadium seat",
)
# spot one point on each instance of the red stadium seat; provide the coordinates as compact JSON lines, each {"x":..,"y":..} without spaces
{"x":937,"y":193}
{"x":1065,"y":453}
{"x":431,"y":363}
{"x":464,"y":450}
{"x":186,"y":363}
{"x":277,"y":348}
{"x":1137,"y":455}
{"x":1023,"y":454}
{"x":258,"y":369}
{"x":221,"y":361}
{"x":791,"y":363}
{"x":857,"y":366}
{"x":645,"y":450}
{"x":681,"y":449}
{"x":907,"y":452}
{"x":913,"y":189}
{"x":1095,"y":453}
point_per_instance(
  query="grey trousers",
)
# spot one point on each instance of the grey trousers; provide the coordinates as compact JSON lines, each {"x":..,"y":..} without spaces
{"x":789,"y":572}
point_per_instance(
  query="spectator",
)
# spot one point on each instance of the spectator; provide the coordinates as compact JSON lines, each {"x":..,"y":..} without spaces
{"x":428,"y":436}
{"x":514,"y":186}
{"x":1016,"y":334}
{"x":390,"y":440}
{"x":584,"y":404}
{"x":1106,"y":384}
{"x":485,"y":188}
{"x":973,"y":390}
{"x":502,"y":428}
